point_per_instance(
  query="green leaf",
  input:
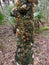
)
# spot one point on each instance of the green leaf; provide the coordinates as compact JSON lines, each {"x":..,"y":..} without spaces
{"x":1,"y":18}
{"x":38,"y":15}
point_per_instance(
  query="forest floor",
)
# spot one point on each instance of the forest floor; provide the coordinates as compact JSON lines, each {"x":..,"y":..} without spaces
{"x":8,"y":47}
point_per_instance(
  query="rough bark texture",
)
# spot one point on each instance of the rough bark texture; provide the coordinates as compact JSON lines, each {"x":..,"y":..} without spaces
{"x":24,"y":31}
